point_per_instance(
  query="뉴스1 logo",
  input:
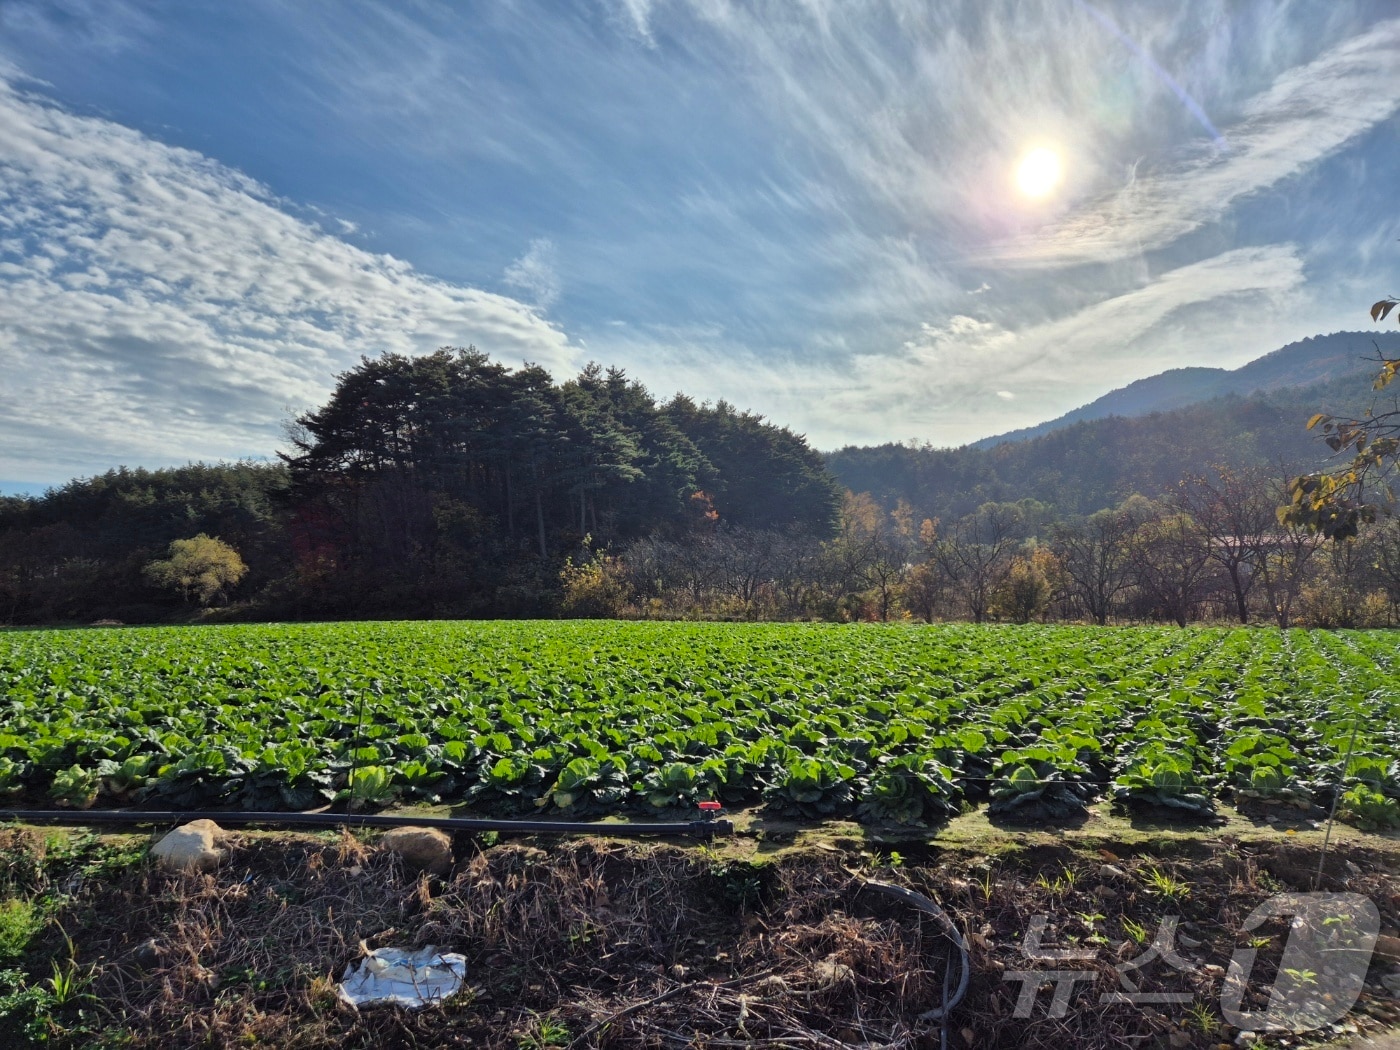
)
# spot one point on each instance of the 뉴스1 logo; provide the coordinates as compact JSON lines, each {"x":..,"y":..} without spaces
{"x":1317,"y":981}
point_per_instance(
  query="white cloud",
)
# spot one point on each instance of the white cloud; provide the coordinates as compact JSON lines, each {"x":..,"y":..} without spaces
{"x":941,"y":381}
{"x":536,"y":273}
{"x":951,"y":382}
{"x":1307,"y":113}
{"x":156,"y":306}
{"x":637,"y":15}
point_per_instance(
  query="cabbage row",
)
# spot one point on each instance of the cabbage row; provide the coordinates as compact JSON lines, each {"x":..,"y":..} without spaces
{"x":886,"y":724}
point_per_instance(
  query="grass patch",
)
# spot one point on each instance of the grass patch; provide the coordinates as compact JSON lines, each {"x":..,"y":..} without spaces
{"x":19,"y":922}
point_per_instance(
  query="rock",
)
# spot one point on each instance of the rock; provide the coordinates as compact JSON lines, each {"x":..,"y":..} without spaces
{"x":1246,"y":1038}
{"x":1387,"y":949}
{"x":147,"y":954}
{"x":1178,"y":1039}
{"x":1112,"y":871}
{"x":427,"y":849}
{"x":190,"y":847}
{"x":1391,"y":983}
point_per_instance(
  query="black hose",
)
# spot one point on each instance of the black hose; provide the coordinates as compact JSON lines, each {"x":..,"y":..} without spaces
{"x":949,"y":930}
{"x":242,"y":818}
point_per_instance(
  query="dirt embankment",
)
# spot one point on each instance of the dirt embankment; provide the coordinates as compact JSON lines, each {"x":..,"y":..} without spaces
{"x":600,"y":943}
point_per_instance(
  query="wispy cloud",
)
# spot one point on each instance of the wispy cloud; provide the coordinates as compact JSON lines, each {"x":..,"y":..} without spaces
{"x":535,"y":273}
{"x":1306,"y":114}
{"x":967,"y":377}
{"x":943,"y":381}
{"x":156,"y":305}
{"x":806,"y":208}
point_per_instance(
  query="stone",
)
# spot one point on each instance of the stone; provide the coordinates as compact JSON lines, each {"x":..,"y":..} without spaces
{"x":426,"y":849}
{"x":147,"y":954}
{"x":1387,"y":949}
{"x":190,"y":847}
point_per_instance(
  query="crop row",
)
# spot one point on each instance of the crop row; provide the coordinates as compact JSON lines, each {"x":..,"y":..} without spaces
{"x":898,"y":724}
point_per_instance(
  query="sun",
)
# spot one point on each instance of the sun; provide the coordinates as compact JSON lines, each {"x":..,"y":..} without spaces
{"x":1039,"y":172}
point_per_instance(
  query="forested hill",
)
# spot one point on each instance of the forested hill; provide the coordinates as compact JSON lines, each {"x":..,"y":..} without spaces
{"x":1089,"y":465}
{"x":445,"y":484}
{"x":1319,"y":359}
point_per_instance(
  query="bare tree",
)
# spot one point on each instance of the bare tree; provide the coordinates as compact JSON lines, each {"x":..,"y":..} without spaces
{"x":1284,"y":564}
{"x":1172,"y":565}
{"x":1237,"y":520}
{"x":1385,"y":543}
{"x":976,"y":552}
{"x":1095,"y":556}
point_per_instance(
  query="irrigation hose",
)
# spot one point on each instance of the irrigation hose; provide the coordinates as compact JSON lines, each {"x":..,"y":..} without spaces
{"x":91,"y":817}
{"x":945,"y":924}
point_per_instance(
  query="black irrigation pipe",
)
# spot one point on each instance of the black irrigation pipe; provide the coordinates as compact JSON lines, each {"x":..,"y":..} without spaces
{"x":89,"y":817}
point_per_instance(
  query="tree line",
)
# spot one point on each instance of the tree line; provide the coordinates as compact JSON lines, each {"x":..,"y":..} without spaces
{"x":1210,"y":548}
{"x":445,"y":484}
{"x":450,"y":485}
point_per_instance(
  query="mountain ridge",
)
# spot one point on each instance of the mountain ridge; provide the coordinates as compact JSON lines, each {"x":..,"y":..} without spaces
{"x":1306,"y":362}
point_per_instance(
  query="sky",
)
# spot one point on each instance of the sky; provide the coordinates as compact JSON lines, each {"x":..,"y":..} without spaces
{"x":819,"y":210}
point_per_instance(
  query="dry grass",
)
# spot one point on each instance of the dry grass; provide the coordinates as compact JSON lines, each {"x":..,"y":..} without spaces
{"x":602,"y":944}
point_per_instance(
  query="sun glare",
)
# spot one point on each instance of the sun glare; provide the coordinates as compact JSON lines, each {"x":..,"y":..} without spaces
{"x":1039,"y":172}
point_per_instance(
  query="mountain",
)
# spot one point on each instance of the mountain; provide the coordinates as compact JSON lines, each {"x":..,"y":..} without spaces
{"x":1317,"y":359}
{"x":1083,"y":466}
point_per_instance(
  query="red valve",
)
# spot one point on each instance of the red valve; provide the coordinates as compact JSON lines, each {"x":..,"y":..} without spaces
{"x":710,"y":807}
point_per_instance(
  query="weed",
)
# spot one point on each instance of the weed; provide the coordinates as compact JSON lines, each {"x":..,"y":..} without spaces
{"x":542,"y":1033}
{"x":741,"y":883}
{"x":1090,"y":921}
{"x":1136,"y":931}
{"x":987,"y":883}
{"x":69,"y":982}
{"x":19,"y":921}
{"x":24,"y":1011}
{"x":1201,"y":1018}
{"x":1061,"y":884}
{"x":1164,"y":884}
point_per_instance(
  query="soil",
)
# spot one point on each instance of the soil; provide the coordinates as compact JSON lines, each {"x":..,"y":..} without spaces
{"x":774,"y":937}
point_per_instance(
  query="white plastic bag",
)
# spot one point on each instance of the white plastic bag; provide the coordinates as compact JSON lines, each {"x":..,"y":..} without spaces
{"x":403,"y":977}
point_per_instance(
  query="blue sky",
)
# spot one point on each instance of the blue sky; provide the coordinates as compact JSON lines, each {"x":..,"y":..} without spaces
{"x":806,"y":207}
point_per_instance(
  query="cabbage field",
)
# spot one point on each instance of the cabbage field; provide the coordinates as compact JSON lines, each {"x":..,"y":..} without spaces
{"x":899,"y":724}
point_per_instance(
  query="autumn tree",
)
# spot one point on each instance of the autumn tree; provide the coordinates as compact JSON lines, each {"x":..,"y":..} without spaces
{"x":202,"y":566}
{"x":1336,"y":502}
{"x":1026,"y":591}
{"x":1094,"y":555}
{"x":974,"y":554}
{"x":873,"y":549}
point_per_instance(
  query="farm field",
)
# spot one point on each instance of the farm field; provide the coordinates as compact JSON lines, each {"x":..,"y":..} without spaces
{"x":896,"y":724}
